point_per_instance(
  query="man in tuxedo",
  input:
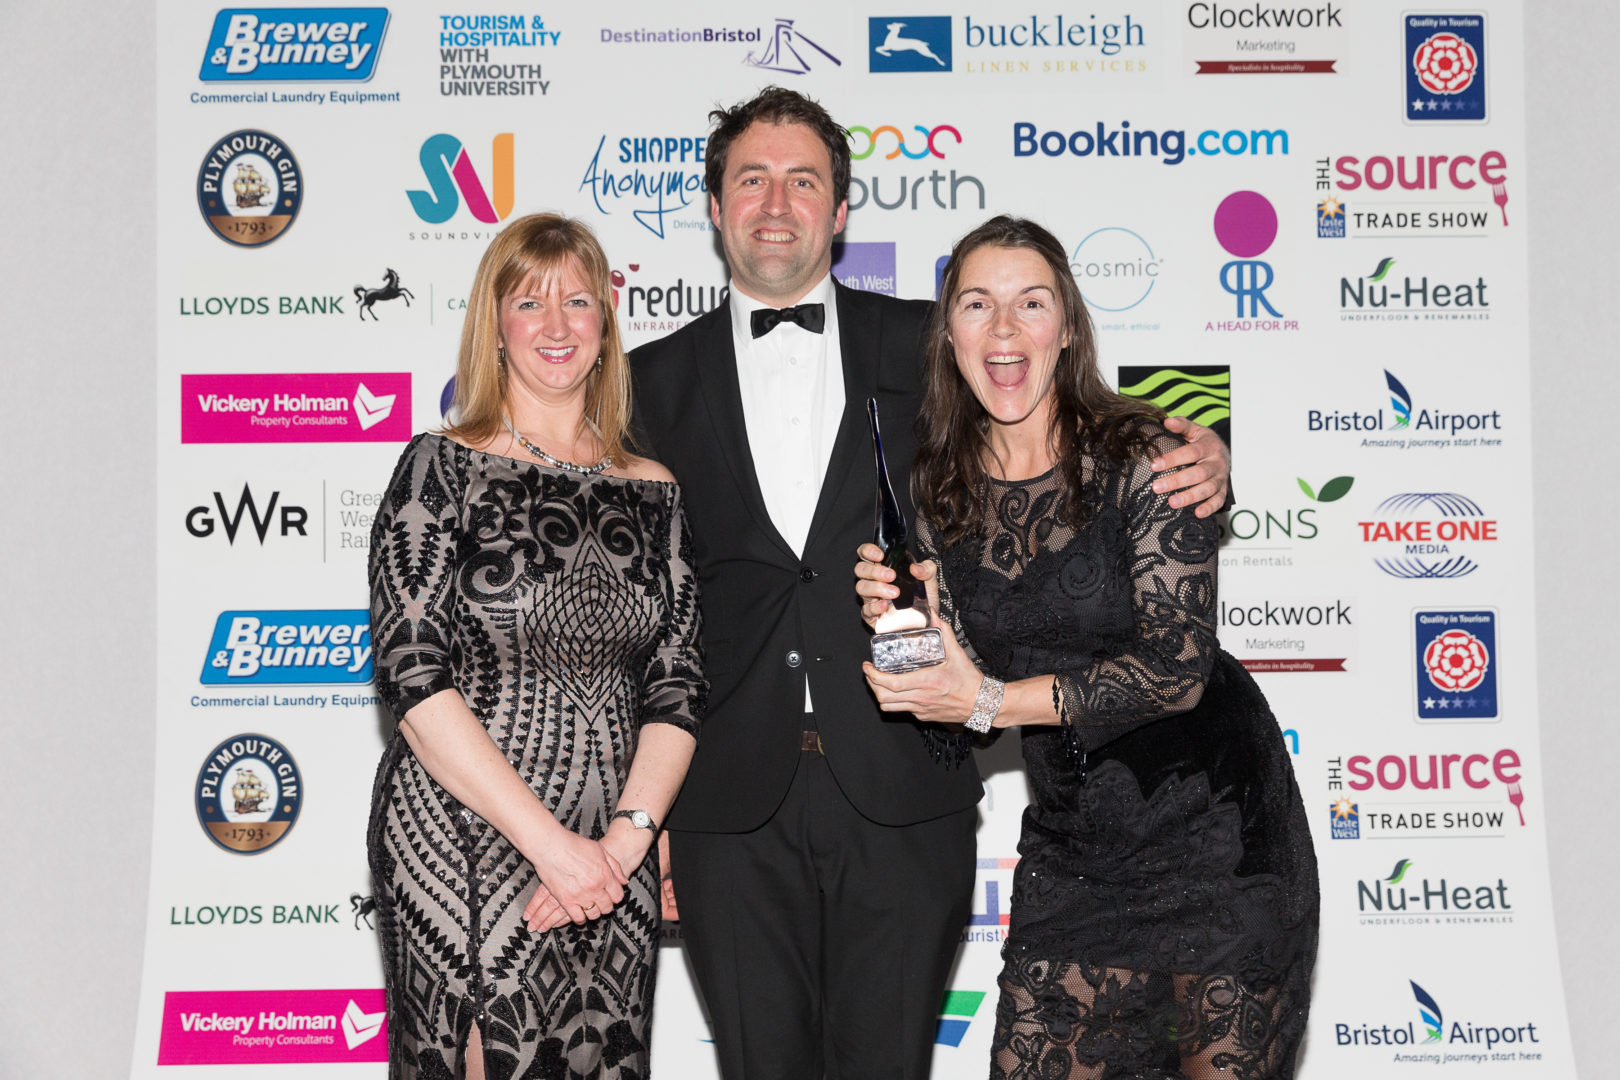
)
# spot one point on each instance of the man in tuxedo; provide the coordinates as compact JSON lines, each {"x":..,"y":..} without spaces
{"x":823,"y":854}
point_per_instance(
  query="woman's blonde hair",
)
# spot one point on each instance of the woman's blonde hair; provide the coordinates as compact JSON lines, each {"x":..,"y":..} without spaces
{"x":530,"y":250}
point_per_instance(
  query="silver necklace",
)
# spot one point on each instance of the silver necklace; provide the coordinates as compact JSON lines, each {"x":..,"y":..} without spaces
{"x":557,"y":463}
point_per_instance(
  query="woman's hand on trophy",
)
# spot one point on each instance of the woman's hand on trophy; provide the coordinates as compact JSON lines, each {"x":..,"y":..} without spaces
{"x":874,"y":583}
{"x":940,"y":694}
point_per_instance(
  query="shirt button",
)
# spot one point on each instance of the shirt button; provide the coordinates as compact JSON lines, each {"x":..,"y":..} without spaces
{"x":793,"y":658}
{"x":807,"y":575}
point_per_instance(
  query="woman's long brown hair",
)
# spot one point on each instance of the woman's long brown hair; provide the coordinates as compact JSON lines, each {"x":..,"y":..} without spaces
{"x":950,"y":474}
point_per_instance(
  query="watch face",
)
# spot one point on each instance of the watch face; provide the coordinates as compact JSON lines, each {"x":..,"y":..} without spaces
{"x":641,"y":819}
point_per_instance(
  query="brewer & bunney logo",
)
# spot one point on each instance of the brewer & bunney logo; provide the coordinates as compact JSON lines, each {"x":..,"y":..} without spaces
{"x":1456,"y":665}
{"x":1428,"y":535}
{"x":248,"y":794}
{"x":273,"y":1027}
{"x":917,"y":43}
{"x":289,"y":648}
{"x":1245,"y":226}
{"x":306,"y":407}
{"x":1200,"y":392}
{"x":453,"y":179}
{"x":269,"y":44}
{"x":1381,"y":297}
{"x":249,"y":188}
{"x":1404,"y":899}
{"x":1455,"y":1041}
{"x":1445,"y":67}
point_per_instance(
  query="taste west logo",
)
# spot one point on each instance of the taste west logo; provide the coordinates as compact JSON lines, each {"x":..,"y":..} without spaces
{"x":1445,"y":69}
{"x":1456,"y":665}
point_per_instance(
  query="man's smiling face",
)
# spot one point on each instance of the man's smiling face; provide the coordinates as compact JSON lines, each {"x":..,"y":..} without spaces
{"x":775,"y":212}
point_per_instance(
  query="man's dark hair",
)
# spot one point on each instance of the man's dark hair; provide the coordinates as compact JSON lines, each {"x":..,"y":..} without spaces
{"x":776,"y":105}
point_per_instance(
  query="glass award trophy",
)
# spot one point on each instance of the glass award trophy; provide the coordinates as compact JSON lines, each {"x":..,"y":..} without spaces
{"x":904,"y":641}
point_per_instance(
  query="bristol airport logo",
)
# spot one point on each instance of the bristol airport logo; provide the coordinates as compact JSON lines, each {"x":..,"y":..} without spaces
{"x":452,"y":179}
{"x":248,"y":794}
{"x":914,"y":44}
{"x":289,"y":648}
{"x":1429,"y":1011}
{"x":1456,"y":665}
{"x":268,"y":44}
{"x":1445,"y":74}
{"x":249,"y":188}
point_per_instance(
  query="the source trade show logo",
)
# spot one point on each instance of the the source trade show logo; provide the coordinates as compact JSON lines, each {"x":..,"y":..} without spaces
{"x":289,"y":648}
{"x":266,"y":44}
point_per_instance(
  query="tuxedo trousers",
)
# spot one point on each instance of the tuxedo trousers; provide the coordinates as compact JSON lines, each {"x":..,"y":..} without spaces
{"x":822,"y":941}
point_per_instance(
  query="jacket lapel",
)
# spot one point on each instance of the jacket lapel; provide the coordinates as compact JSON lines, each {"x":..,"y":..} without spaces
{"x":859,"y":335}
{"x":716,"y":364}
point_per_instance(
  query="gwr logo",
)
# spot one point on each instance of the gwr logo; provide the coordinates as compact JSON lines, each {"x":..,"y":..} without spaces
{"x":448,"y":168}
{"x":201,"y":523}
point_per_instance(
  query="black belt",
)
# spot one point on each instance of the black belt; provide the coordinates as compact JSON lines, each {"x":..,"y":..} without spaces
{"x":810,"y":738}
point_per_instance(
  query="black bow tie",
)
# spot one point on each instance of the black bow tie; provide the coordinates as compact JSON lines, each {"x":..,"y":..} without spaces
{"x":813,"y":317}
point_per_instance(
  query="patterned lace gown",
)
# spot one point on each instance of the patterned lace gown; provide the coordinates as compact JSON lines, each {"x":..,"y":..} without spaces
{"x":1164,"y":910}
{"x":563,"y":608}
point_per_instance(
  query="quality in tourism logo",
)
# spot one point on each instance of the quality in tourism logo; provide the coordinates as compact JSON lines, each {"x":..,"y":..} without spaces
{"x":452,"y":179}
{"x":1445,"y":72}
{"x":917,"y":43}
{"x":289,"y":648}
{"x":1456,"y":665}
{"x":249,"y":188}
{"x":273,"y":1027}
{"x":306,"y":407}
{"x":248,"y":794}
{"x":269,"y":44}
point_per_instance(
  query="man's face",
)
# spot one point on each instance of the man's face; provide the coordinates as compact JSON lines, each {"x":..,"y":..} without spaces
{"x":775,"y":212}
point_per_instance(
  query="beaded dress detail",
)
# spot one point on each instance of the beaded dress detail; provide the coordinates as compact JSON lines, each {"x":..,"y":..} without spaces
{"x":564,"y":609}
{"x":1164,"y":910}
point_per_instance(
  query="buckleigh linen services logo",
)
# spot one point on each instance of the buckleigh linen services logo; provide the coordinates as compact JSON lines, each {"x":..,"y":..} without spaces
{"x":248,"y":794}
{"x":916,"y":43}
{"x":249,"y":188}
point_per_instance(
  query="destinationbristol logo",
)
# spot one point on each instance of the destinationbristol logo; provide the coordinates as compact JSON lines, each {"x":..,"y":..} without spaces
{"x":1445,"y":74}
{"x":789,"y":51}
{"x":289,"y":648}
{"x":450,"y":170}
{"x":267,"y":44}
{"x":916,"y":43}
{"x":1456,"y":665}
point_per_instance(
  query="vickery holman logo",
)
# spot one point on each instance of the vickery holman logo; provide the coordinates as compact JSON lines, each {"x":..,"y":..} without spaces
{"x":1406,"y":899}
{"x":268,"y":44}
{"x":248,"y":794}
{"x":307,"y":407}
{"x":265,"y":1027}
{"x":249,"y":188}
{"x":289,"y":648}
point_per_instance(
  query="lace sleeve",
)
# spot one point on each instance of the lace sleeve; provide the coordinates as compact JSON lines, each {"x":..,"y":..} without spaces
{"x":412,"y":573}
{"x":949,"y":745}
{"x":673,"y":688}
{"x":1162,"y":669}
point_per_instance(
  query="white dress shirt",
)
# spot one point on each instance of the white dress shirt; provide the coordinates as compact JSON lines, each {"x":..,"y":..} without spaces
{"x":792,"y":384}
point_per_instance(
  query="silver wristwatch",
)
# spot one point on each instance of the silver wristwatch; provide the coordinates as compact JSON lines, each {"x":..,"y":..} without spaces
{"x":639,"y":818}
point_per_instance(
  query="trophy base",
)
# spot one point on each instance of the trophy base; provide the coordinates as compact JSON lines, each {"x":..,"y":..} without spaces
{"x":907,"y":650}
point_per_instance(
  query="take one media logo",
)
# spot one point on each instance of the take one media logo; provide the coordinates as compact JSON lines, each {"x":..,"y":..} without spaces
{"x":270,"y":44}
{"x":1456,"y":665}
{"x":289,"y":648}
{"x":273,"y":1027}
{"x":1460,"y":1040}
{"x":304,"y":407}
{"x":1428,"y":535}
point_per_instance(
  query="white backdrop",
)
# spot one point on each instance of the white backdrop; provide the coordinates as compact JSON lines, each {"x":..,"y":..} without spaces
{"x":1151,"y":218}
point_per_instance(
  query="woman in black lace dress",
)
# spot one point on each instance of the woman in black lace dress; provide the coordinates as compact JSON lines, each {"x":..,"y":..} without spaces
{"x":1164,"y":911}
{"x":535,"y":619}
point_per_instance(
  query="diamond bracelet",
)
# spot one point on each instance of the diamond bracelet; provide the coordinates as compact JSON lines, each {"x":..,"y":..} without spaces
{"x":986,"y":704}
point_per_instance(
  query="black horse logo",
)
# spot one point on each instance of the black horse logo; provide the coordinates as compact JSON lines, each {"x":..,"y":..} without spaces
{"x":363,"y":905}
{"x":391,"y":290}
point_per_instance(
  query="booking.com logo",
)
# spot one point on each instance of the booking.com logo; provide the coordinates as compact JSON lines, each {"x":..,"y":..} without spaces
{"x":449,"y":169}
{"x":1171,"y":146}
{"x":870,"y":137}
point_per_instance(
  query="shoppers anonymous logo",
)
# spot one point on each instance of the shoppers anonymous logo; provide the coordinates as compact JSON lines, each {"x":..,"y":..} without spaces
{"x":1445,"y":73}
{"x":657,"y":177}
{"x":249,"y":188}
{"x":919,"y":43}
{"x":248,"y":794}
{"x":267,"y":44}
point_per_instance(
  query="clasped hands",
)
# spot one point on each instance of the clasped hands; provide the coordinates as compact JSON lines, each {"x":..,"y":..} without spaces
{"x":941,"y":694}
{"x":582,"y":879}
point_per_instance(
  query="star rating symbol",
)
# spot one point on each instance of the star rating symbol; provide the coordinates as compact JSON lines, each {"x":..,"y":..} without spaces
{"x":1417,"y":104}
{"x":1444,"y":704}
{"x":1428,"y":703}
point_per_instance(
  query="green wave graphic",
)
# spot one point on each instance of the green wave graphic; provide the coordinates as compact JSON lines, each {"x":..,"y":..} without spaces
{"x":1149,"y":385}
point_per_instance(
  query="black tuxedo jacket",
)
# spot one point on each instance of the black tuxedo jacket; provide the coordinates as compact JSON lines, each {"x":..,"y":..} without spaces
{"x":771,"y":617}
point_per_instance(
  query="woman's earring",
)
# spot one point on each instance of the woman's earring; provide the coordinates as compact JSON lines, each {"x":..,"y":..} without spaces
{"x":598,"y":363}
{"x":500,"y":357}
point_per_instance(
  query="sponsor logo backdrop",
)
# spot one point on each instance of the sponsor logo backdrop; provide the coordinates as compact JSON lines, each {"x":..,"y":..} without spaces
{"x":1304,"y":225}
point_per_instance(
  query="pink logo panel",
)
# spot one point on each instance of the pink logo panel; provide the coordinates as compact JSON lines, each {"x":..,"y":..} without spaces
{"x":272,"y":1027}
{"x":315,"y":407}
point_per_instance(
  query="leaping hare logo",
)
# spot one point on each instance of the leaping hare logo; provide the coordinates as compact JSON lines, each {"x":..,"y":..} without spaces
{"x":391,"y":290}
{"x":895,"y":43}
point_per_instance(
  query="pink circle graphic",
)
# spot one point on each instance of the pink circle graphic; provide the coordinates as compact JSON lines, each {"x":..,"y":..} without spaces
{"x":1245,"y":224}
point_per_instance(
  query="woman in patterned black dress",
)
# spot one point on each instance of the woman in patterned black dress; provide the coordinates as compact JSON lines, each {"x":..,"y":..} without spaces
{"x":536,"y":630}
{"x":1164,"y":910}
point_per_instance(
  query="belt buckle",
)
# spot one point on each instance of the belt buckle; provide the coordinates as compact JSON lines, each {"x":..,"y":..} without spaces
{"x":811,"y":741}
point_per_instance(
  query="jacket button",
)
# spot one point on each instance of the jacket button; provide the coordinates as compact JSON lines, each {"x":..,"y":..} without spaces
{"x":807,"y":575}
{"x":793,"y":658}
